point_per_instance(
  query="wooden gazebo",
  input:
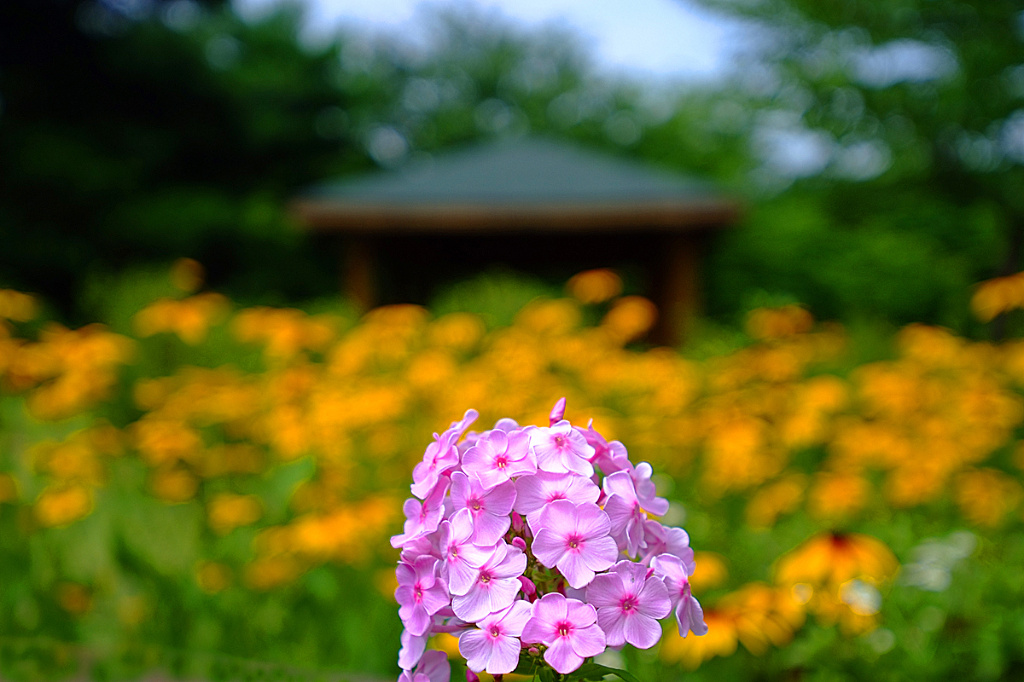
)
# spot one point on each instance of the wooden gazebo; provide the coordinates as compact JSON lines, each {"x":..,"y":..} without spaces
{"x":530,"y":203}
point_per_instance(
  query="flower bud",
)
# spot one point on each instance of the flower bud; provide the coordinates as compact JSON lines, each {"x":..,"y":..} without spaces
{"x":517,"y":522}
{"x":557,"y":412}
{"x":529,"y":589}
{"x":519,"y":543}
{"x":471,"y":676}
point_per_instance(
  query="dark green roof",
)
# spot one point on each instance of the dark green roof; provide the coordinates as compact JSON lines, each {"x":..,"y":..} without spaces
{"x":515,"y":183}
{"x":524,"y":170}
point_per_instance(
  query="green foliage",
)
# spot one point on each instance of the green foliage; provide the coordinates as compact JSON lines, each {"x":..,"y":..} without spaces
{"x":496,"y":296}
{"x":917,"y":104}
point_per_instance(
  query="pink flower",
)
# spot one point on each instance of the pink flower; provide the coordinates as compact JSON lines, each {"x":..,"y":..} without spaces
{"x":624,"y":506}
{"x":494,"y":647}
{"x":495,"y":587}
{"x":424,"y":517}
{"x":561,"y":449}
{"x":440,"y":456}
{"x":433,"y":667}
{"x":666,"y":540}
{"x":462,"y":558}
{"x":569,"y":629}
{"x":533,"y":493}
{"x":574,"y":539}
{"x":676,"y":575}
{"x":608,"y":457}
{"x":412,"y":649}
{"x":419,"y":594}
{"x":497,"y":456}
{"x":645,"y":490}
{"x":557,"y":412}
{"x":489,"y":509}
{"x":629,"y":603}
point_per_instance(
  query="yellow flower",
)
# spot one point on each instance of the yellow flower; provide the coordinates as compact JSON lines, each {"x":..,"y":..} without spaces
{"x":764,"y":615}
{"x":447,"y":643}
{"x":60,"y":506}
{"x":772,"y":501}
{"x":458,"y":331}
{"x":837,"y":495}
{"x":710,"y":571}
{"x":594,"y":286}
{"x":559,"y":316}
{"x":8,"y":489}
{"x":775,"y":323}
{"x":17,"y":306}
{"x":212,"y":576}
{"x":164,"y":441}
{"x":189,"y":318}
{"x":986,"y":496}
{"x":721,"y":640}
{"x":271,"y":572}
{"x":996,"y":296}
{"x":187,"y":275}
{"x":173,"y":485}
{"x":629,"y":319}
{"x":833,"y":558}
{"x":228,"y":511}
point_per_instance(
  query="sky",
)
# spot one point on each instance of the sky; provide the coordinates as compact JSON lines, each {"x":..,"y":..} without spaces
{"x":658,"y":39}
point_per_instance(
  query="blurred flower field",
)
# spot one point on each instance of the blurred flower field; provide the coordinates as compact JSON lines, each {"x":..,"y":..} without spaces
{"x":212,"y":488}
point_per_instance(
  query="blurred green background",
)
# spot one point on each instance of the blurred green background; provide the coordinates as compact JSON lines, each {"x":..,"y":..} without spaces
{"x":204,"y":448}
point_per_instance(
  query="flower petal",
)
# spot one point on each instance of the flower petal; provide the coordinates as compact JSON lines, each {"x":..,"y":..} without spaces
{"x":504,"y":656}
{"x":476,"y":648}
{"x":588,"y":641}
{"x":642,"y":632}
{"x":548,"y":548}
{"x":604,"y":590}
{"x":561,"y":656}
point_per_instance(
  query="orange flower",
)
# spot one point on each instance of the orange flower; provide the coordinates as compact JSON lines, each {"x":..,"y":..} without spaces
{"x":996,"y":296}
{"x":17,"y":306}
{"x":187,"y":275}
{"x":837,"y":495}
{"x":629,"y":319}
{"x":212,"y":576}
{"x":189,"y":318}
{"x":228,"y":511}
{"x":8,"y":489}
{"x":63,"y":505}
{"x":721,"y":640}
{"x":764,"y":615}
{"x":594,"y":286}
{"x":173,"y":485}
{"x":710,"y":571}
{"x":986,"y":496}
{"x":774,"y":323}
{"x":776,"y":499}
{"x":834,"y":558}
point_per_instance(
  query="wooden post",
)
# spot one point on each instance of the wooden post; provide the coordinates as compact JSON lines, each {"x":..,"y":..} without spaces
{"x":677,"y":288}
{"x":359,"y":271}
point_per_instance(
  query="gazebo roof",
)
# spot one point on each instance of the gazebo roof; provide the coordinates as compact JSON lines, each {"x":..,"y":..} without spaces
{"x":522,"y":184}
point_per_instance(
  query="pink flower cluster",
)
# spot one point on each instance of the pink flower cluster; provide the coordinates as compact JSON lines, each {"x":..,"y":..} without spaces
{"x":535,"y":541}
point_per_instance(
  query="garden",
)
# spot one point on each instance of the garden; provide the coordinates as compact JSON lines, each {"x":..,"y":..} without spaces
{"x":211,"y":489}
{"x":215,"y":467}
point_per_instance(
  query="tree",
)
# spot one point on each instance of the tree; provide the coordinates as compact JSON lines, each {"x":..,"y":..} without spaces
{"x":916,"y":110}
{"x":159,"y":130}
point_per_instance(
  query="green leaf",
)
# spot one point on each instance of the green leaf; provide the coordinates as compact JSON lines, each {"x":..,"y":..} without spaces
{"x":596,"y":671}
{"x":527,"y":665}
